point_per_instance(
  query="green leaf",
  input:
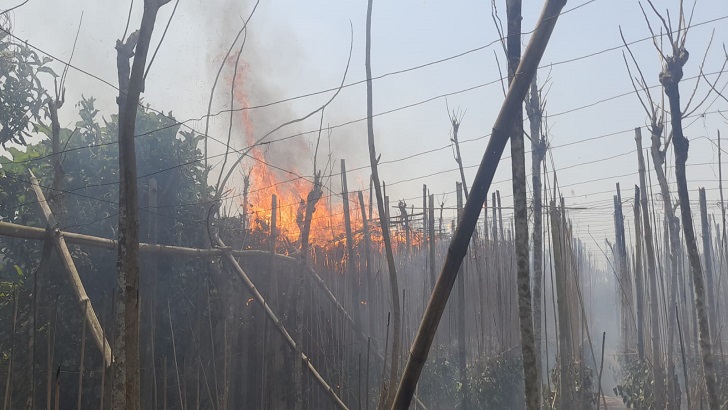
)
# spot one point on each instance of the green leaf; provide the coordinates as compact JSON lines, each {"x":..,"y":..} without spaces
{"x":47,"y":70}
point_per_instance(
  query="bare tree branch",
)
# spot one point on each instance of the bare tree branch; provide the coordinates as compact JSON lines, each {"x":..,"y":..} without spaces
{"x":217,"y":78}
{"x":285,"y":124}
{"x":164,"y":34}
{"x":697,"y":82}
{"x":14,"y":7}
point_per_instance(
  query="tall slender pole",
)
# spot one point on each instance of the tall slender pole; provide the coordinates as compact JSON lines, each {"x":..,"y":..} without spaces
{"x":462,"y":356}
{"x":657,"y":367}
{"x":708,"y":261}
{"x":432,"y":241}
{"x":350,"y":268}
{"x":458,"y":246}
{"x":383,"y":219}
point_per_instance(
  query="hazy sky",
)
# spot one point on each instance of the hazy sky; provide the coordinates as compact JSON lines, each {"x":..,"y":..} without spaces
{"x":299,"y":47}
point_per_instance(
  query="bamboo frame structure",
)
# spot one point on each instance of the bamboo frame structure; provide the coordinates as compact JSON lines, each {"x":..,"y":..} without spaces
{"x":70,"y":267}
{"x":34,"y":233}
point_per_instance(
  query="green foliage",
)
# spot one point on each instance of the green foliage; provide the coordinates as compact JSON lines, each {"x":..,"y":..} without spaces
{"x":493,"y":382}
{"x":636,"y":386}
{"x":22,"y":95}
{"x":88,"y":205}
{"x":581,"y":386}
{"x":497,"y":383}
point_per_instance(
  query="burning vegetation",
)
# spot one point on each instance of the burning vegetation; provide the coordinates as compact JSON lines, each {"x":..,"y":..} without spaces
{"x":135,"y":273}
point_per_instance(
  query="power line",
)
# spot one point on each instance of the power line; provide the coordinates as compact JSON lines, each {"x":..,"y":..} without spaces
{"x":347,"y":123}
{"x":183,"y":123}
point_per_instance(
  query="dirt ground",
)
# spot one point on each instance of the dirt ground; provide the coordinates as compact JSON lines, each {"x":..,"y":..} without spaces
{"x":614,"y":403}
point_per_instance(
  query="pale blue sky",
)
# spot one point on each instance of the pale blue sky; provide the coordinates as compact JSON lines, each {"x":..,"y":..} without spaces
{"x":296,"y":47}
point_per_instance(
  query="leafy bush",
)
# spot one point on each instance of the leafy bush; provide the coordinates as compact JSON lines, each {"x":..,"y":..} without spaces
{"x":636,"y":387}
{"x":581,"y":386}
{"x":493,"y":382}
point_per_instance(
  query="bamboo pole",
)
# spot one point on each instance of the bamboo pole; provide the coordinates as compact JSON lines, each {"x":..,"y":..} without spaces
{"x":431,"y":237}
{"x":462,"y":355}
{"x":658,"y":373}
{"x":707,"y":262}
{"x":81,"y":360}
{"x":638,"y":282}
{"x":459,"y":243}
{"x":561,"y":264}
{"x":350,"y":268}
{"x":8,"y":401}
{"x":424,"y":214}
{"x":75,"y":279}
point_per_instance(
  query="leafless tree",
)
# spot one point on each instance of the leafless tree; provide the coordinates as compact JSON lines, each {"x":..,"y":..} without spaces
{"x":131,"y":84}
{"x":393,"y":284}
{"x":673,"y":62}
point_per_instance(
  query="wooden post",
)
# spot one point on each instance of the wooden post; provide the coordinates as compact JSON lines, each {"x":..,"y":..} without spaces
{"x":75,"y":279}
{"x":500,"y":214}
{"x":657,"y":367}
{"x":432,"y":241}
{"x":367,"y":256}
{"x":350,"y":268}
{"x":561,"y":263}
{"x":246,"y":188}
{"x":462,"y":356}
{"x":386,"y":211}
{"x":424,"y":215}
{"x":625,"y":299}
{"x":708,"y":262}
{"x":150,"y":284}
{"x":371,"y":198}
{"x":639,"y":286}
{"x":268,"y":381}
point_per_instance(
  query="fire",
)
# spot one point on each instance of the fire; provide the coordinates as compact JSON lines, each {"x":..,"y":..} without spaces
{"x":327,"y":224}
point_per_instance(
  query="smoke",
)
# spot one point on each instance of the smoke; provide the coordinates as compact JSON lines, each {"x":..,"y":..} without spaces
{"x":259,"y":72}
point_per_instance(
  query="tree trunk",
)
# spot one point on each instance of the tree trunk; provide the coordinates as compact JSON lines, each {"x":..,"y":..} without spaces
{"x":538,"y":152}
{"x":131,"y":83}
{"x":384,"y":222}
{"x":670,"y":79}
{"x":520,"y":215}
{"x":658,"y":159}
{"x":313,"y":197}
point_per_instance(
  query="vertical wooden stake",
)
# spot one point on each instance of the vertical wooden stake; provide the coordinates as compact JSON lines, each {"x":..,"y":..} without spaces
{"x":81,"y":360}
{"x":433,"y":276}
{"x":350,"y":268}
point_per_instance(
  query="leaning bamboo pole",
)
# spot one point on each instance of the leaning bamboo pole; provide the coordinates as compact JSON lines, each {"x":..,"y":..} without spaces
{"x":459,"y":243}
{"x":235,"y":266}
{"x":70,"y":267}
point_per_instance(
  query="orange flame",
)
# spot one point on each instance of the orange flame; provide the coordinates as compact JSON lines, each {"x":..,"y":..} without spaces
{"x":327,"y":225}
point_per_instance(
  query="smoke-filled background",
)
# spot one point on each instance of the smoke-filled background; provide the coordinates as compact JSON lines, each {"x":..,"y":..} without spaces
{"x":426,"y":56}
